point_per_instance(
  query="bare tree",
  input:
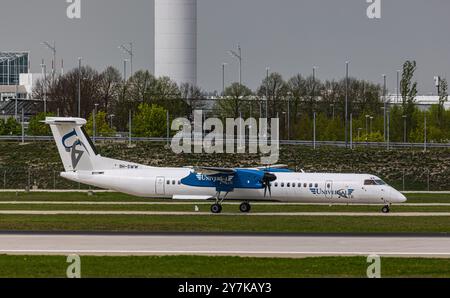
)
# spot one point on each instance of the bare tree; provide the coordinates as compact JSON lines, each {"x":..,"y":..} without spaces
{"x":276,"y":89}
{"x":109,"y":85}
{"x":234,"y":101}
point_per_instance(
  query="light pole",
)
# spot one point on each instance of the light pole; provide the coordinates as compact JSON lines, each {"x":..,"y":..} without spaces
{"x":425,"y":133}
{"x":384,"y":108}
{"x":128,"y":50}
{"x":388,"y":129}
{"x":314,"y":82}
{"x":129,"y":128}
{"x":437,"y":83}
{"x":346,"y":104}
{"x":168,"y":127}
{"x":111,"y":120}
{"x":44,"y":83}
{"x":289,"y":118}
{"x":371,"y":125}
{"x":359,"y":133}
{"x":332,"y":107}
{"x":94,"y":121}
{"x":23,"y":126}
{"x":53,"y":49}
{"x":238,"y":55}
{"x":351,"y":131}
{"x":125,"y":69}
{"x":79,"y":87}
{"x":267,"y":91}
{"x":404,"y":128}
{"x":314,"y":131}
{"x":223,"y":78}
{"x":367,"y":127}
{"x":398,"y":85}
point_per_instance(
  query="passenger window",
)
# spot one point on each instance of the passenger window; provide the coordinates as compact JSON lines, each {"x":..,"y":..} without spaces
{"x":305,"y":185}
{"x":173,"y":182}
{"x":282,"y":184}
{"x":299,"y":185}
{"x":317,"y":185}
{"x":179,"y":182}
{"x":276,"y":184}
{"x":288,"y":185}
{"x":310,"y":185}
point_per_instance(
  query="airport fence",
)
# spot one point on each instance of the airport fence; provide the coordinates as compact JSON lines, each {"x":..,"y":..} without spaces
{"x":50,"y":179}
{"x":342,"y":144}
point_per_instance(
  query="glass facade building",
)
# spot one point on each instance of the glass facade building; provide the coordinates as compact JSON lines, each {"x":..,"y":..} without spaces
{"x":12,"y":64}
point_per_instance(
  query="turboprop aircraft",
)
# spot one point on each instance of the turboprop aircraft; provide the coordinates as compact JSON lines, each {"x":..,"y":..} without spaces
{"x":83,"y":164}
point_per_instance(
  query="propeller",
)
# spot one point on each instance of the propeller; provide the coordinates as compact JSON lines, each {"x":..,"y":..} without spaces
{"x":266,"y":181}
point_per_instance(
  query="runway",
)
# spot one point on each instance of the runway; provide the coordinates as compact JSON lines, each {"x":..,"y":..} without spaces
{"x":176,"y":213}
{"x":295,"y":246}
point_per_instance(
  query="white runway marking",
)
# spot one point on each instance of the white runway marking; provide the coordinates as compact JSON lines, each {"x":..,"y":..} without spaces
{"x":260,"y":246}
{"x":154,"y":213}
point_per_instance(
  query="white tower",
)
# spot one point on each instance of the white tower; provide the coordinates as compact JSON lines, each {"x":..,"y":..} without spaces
{"x":176,"y":40}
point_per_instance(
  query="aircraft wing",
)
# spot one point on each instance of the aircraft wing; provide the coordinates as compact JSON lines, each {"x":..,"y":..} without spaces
{"x":273,"y":167}
{"x":211,"y":171}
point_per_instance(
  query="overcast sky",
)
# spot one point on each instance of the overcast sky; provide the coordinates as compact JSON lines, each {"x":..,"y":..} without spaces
{"x":290,"y":36}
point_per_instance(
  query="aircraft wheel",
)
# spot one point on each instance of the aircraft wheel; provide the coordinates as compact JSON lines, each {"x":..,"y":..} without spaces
{"x":385,"y":209}
{"x":245,"y":207}
{"x":216,"y":208}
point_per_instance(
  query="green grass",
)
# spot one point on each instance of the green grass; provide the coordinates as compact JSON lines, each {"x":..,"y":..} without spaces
{"x":227,"y":208}
{"x":257,"y":224}
{"x":218,"y":267}
{"x":118,"y":197}
{"x":70,"y":197}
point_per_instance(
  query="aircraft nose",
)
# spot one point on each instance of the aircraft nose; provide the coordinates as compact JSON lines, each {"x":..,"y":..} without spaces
{"x":397,"y":197}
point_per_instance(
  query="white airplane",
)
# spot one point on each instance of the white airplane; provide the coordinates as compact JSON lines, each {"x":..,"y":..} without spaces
{"x":83,"y":164}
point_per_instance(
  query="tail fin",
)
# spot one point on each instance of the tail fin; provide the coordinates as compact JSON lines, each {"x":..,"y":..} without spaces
{"x":76,"y":149}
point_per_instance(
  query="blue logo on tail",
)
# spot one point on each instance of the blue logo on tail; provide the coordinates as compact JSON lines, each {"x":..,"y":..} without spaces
{"x":76,"y":154}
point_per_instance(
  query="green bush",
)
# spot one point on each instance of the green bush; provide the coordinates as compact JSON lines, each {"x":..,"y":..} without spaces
{"x":150,"y":121}
{"x":37,"y":128}
{"x":102,"y":128}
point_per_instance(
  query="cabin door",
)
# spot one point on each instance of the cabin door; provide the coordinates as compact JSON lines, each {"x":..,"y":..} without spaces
{"x":160,"y":185}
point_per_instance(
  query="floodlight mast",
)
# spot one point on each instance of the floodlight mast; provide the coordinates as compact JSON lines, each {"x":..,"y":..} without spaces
{"x":238,"y":55}
{"x":128,"y":49}
{"x":53,"y":49}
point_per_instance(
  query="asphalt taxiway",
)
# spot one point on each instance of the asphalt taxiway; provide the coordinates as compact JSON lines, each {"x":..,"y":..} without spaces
{"x":258,"y":245}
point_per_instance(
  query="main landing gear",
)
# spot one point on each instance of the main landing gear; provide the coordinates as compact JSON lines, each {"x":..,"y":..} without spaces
{"x":216,"y":208}
{"x":385,"y":209}
{"x":245,"y":207}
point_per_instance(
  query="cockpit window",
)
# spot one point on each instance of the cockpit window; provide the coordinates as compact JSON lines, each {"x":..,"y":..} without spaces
{"x":374,"y":182}
{"x":370,"y":182}
{"x":380,"y":182}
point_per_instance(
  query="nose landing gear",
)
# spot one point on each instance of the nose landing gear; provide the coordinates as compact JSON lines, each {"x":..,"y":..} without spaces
{"x":385,"y":209}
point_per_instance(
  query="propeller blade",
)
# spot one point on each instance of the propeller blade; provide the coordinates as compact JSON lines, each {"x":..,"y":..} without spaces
{"x":266,"y":181}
